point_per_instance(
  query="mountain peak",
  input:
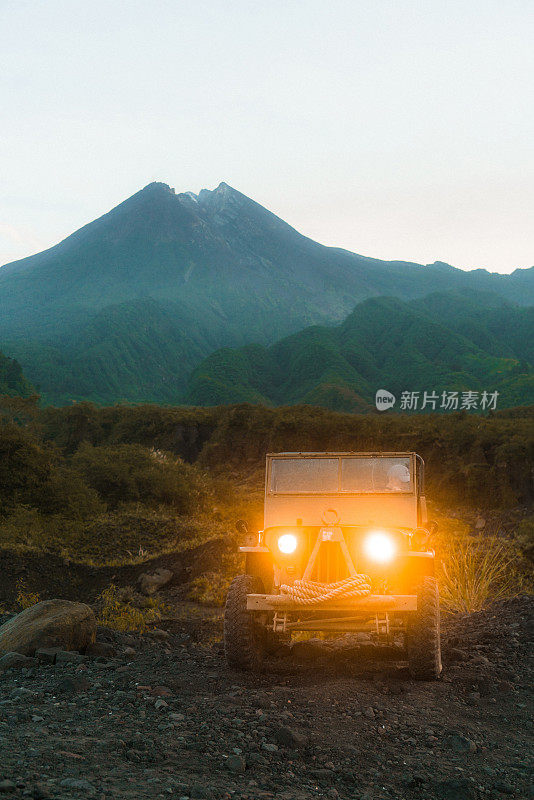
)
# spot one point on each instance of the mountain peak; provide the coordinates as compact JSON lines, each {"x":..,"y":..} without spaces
{"x":225,"y":187}
{"x":221,"y":195}
{"x":157,"y":188}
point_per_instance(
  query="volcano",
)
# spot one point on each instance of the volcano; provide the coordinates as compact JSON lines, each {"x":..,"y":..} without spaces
{"x":126,"y":307}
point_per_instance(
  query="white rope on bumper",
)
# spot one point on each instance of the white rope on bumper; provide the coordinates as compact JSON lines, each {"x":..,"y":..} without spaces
{"x":311,"y":593}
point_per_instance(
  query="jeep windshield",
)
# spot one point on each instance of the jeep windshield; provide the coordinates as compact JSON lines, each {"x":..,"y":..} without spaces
{"x":331,"y":475}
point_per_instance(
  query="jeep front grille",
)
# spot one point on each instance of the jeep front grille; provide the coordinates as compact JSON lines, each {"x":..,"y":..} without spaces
{"x":330,"y":565}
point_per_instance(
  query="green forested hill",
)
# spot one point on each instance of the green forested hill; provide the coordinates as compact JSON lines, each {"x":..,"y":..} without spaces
{"x":127,"y":306}
{"x":12,"y":381}
{"x":441,"y":343}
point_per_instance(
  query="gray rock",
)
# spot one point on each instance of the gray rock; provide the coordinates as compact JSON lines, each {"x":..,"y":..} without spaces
{"x":309,"y":650}
{"x":459,"y":744}
{"x":7,"y":786}
{"x":22,"y":691}
{"x":100,"y":649}
{"x":160,"y":635}
{"x":15,"y":661}
{"x":321,"y":773}
{"x":78,"y":783}
{"x":236,"y":764}
{"x":454,"y":789}
{"x":47,"y":654}
{"x":480,"y":661}
{"x":73,"y":684}
{"x":40,"y":792}
{"x":151,"y":583}
{"x":201,"y":792}
{"x":287,"y":737}
{"x":257,"y":758}
{"x":503,"y":787}
{"x":455,"y":654}
{"x":68,"y":657}
{"x":49,"y":624}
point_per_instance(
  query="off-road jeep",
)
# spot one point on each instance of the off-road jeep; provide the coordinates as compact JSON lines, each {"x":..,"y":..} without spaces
{"x":344,"y":548}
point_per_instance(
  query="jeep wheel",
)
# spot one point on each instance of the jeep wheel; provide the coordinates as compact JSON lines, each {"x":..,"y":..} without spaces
{"x":423,"y":641}
{"x":244,"y":638}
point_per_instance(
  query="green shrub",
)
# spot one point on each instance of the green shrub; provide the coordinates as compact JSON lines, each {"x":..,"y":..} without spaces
{"x":65,"y":492}
{"x":127,"y":473}
{"x":25,"y":466}
{"x":117,"y":611}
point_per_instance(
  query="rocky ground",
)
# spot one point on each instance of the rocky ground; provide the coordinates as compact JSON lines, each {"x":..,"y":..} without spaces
{"x":161,"y":716}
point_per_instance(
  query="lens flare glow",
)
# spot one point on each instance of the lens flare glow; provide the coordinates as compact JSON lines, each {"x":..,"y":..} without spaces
{"x":379,"y":547}
{"x":287,"y":543}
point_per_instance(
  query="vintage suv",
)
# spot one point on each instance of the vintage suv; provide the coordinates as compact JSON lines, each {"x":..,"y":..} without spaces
{"x":344,"y":548}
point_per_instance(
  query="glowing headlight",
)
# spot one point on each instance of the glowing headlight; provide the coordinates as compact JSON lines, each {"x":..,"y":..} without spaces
{"x":379,"y":547}
{"x":287,"y":543}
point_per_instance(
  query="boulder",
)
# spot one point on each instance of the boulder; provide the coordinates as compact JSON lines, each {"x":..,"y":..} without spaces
{"x":101,"y":649}
{"x":47,"y":654}
{"x":153,"y":582}
{"x":49,"y":624}
{"x":15,"y":661}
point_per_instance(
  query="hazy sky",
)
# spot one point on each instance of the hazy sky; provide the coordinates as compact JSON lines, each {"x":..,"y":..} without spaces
{"x":395,"y":129}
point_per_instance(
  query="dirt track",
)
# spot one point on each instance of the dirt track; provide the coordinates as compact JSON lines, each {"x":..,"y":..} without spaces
{"x":166,"y":718}
{"x":50,"y":575}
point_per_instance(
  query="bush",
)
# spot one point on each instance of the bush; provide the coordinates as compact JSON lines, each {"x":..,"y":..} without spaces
{"x":128,"y":473}
{"x":65,"y":492}
{"x":24,"y":467}
{"x":118,"y":612}
{"x":209,"y":589}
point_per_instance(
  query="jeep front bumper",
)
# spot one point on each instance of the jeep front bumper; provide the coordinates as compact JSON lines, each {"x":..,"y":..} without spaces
{"x":371,"y":604}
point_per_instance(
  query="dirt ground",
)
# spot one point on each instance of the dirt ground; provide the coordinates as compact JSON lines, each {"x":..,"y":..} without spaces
{"x":162,"y":716}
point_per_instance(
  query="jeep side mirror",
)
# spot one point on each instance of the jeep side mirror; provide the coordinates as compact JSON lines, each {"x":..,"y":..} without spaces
{"x":241,"y":527}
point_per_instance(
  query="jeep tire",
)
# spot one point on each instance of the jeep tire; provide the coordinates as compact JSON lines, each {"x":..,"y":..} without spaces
{"x":244,"y":637}
{"x":423,"y":641}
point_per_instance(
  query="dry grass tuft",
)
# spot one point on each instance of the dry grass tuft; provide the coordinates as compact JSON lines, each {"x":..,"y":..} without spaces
{"x":478,"y":572}
{"x":25,"y":598}
{"x":117,"y":611}
{"x":209,"y":589}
